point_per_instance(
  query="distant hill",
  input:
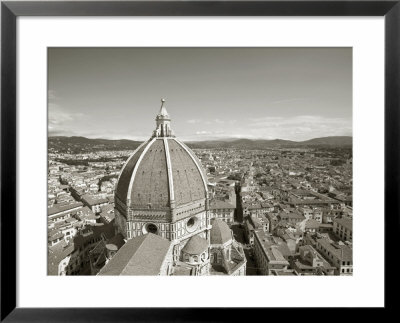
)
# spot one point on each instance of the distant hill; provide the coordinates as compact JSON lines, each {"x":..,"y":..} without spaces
{"x":344,"y":141}
{"x":330,"y":141}
{"x":82,"y":144}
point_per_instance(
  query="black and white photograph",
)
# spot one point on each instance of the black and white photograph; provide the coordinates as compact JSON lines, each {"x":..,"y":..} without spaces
{"x":200,"y":161}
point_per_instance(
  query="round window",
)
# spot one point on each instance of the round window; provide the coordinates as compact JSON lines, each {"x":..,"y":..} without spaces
{"x":192,"y":224}
{"x":150,"y":228}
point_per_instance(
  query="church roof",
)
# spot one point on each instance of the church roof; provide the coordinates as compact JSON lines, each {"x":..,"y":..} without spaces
{"x":220,"y":232}
{"x":160,"y":171}
{"x":143,"y":255}
{"x":196,"y":245}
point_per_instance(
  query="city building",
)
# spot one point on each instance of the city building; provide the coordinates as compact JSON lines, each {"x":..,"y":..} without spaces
{"x":252,"y":223}
{"x":343,"y":228}
{"x":61,"y":213}
{"x":72,"y":257}
{"x":310,"y":262}
{"x":268,"y":255}
{"x":291,"y":217}
{"x":94,"y":203}
{"x":222,"y":210}
{"x":338,"y":255}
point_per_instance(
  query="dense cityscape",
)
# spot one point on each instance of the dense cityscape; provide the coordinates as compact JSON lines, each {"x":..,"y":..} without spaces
{"x":288,"y":209}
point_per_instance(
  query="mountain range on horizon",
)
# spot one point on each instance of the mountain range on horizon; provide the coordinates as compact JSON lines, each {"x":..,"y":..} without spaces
{"x":83,"y":143}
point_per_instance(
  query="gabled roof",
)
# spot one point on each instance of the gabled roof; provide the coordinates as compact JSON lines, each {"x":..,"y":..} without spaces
{"x":143,"y":255}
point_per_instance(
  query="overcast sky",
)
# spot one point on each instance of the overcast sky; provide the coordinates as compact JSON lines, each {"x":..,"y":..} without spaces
{"x":211,"y":93}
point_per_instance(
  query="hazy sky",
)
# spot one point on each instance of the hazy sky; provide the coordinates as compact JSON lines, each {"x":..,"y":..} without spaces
{"x":285,"y":93}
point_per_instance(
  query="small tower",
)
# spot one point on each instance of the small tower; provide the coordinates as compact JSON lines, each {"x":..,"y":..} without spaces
{"x":163,"y":121}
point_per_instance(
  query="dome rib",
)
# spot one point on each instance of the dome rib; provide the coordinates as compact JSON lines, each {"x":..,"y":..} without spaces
{"x":150,"y":185}
{"x":188,"y":184}
{"x":126,"y":173}
{"x":157,"y":179}
{"x":136,"y":168}
{"x":169,"y":170}
{"x":131,"y":156}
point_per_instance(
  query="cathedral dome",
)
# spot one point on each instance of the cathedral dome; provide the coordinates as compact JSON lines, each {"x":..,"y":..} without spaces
{"x":162,"y":172}
{"x":220,"y":232}
{"x":195,"y":246}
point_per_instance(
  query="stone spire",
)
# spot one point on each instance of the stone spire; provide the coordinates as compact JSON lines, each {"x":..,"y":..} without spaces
{"x":163,"y":122}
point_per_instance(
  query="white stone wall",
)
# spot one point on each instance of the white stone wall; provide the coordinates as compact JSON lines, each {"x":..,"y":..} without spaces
{"x":170,"y":231}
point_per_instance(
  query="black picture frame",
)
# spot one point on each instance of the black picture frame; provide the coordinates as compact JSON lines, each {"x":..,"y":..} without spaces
{"x":11,"y":10}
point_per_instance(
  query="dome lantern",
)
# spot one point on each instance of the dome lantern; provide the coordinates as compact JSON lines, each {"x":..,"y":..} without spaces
{"x":163,"y":122}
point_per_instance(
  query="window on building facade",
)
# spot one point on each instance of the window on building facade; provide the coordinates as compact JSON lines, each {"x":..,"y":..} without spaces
{"x":151,"y":228}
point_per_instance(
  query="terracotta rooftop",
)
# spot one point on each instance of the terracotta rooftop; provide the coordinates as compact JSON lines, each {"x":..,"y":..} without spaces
{"x":56,"y":254}
{"x":220,"y":232}
{"x":312,"y":224}
{"x":196,"y":245}
{"x":146,"y":180}
{"x":58,"y":209}
{"x":143,"y":255}
{"x":345,"y":222}
{"x":218,"y":204}
{"x":342,"y":252}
